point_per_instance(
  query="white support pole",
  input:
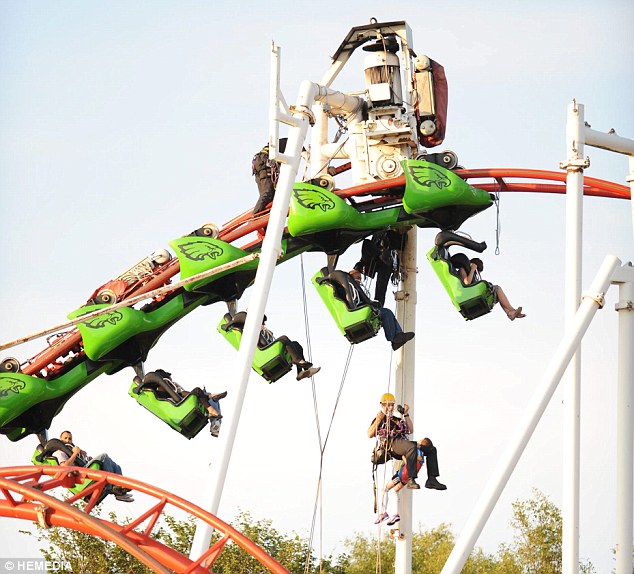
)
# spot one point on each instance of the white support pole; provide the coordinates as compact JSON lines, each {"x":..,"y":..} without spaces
{"x":572,"y":382}
{"x":271,"y":247}
{"x":405,"y":376}
{"x":625,"y":428}
{"x":532,"y":416}
{"x":630,"y":178}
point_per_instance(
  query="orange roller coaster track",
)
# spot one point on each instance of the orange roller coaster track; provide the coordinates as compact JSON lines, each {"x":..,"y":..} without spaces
{"x":25,"y":492}
{"x":499,"y":179}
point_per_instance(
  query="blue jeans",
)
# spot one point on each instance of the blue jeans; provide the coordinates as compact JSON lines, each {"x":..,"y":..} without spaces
{"x":107,"y":463}
{"x":390,"y":324}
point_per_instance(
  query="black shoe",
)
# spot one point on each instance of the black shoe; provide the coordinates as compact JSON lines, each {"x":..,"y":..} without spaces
{"x":411,"y":483}
{"x":400,"y":339}
{"x":120,"y":490}
{"x":432,"y":482}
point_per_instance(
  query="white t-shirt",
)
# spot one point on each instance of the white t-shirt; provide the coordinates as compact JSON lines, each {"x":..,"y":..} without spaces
{"x":61,"y":456}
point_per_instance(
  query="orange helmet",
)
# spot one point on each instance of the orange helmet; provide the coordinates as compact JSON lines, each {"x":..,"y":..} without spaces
{"x":388,"y":398}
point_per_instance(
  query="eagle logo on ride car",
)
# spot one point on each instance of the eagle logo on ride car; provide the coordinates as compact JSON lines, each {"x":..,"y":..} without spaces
{"x":313,"y":199}
{"x":428,"y":176}
{"x":10,"y":384}
{"x":111,"y":318}
{"x":199,"y":250}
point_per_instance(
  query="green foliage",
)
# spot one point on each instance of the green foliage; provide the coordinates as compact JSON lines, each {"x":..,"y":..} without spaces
{"x":535,"y":549}
{"x":537,"y":543}
{"x":430,"y":549}
{"x":87,"y":554}
{"x":288,"y":551}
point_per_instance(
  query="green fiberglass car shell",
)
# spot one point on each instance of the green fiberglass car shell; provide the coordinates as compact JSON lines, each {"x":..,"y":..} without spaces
{"x":28,"y":404}
{"x":271,"y":362}
{"x":199,"y":254}
{"x":188,"y":417}
{"x":128,"y":334}
{"x":429,"y":187}
{"x":356,"y":325}
{"x":80,"y":486}
{"x":472,"y":301}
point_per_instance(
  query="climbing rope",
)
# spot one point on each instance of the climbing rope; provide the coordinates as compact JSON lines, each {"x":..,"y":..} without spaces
{"x":384,"y":494}
{"x":498,"y":224}
{"x":322,"y":444}
{"x":322,"y":450}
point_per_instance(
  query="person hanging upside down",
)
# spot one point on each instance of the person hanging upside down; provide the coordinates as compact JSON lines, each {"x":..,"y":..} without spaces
{"x":305,"y":369}
{"x":470,"y":269}
{"x":166,"y":388}
{"x":397,"y":482}
{"x":399,"y":479}
{"x":393,"y":432}
{"x":356,"y":296}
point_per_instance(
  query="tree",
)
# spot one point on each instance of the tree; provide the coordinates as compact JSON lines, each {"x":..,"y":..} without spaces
{"x":537,"y":543}
{"x":91,"y":555}
{"x":430,"y":549}
{"x":535,"y":549}
{"x":87,"y":554}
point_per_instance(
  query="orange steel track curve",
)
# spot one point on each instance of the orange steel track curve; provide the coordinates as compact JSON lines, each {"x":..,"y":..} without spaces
{"x":502,"y":180}
{"x":25,"y":494}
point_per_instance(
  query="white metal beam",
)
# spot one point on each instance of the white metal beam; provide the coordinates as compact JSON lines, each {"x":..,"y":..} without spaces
{"x":405,"y":377}
{"x":271,"y":248}
{"x":533,"y":414}
{"x":625,"y":423}
{"x":572,"y":381}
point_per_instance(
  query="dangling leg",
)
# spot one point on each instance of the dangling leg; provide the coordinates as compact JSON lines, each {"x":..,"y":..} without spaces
{"x":510,"y":311}
{"x":431,"y":460}
{"x":396,"y":515}
{"x":295,"y":350}
{"x":383,"y":514}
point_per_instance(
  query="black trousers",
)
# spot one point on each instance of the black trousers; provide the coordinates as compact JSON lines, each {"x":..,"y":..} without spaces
{"x":266,"y":189}
{"x":407,"y":448}
{"x":431,"y":458}
{"x":294,"y":349}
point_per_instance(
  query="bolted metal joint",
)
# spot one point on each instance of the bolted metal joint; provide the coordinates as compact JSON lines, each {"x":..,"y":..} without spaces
{"x":575,"y":164}
{"x":401,"y":295}
{"x":598,"y":298}
{"x":42,"y":521}
{"x":624,"y":306}
{"x":306,"y":112}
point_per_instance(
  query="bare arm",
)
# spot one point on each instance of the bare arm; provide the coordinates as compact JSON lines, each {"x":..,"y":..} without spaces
{"x":375,"y":424}
{"x":71,"y":459}
{"x":467,"y":279}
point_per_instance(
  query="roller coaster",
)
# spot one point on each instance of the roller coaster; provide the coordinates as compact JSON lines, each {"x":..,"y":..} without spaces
{"x":397,"y":186}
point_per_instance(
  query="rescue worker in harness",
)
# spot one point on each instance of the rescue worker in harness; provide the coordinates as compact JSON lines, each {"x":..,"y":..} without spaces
{"x":266,"y":173}
{"x":393,"y":432}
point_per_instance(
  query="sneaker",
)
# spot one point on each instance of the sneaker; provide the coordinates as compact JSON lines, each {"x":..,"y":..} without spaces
{"x":411,"y":483}
{"x":400,"y":339}
{"x":308,"y":373}
{"x":214,"y":426}
{"x":381,"y":518}
{"x":432,"y":482}
{"x":124,"y":498}
{"x":392,"y":521}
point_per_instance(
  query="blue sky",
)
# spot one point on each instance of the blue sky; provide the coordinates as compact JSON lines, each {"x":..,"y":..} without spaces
{"x":125,"y":126}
